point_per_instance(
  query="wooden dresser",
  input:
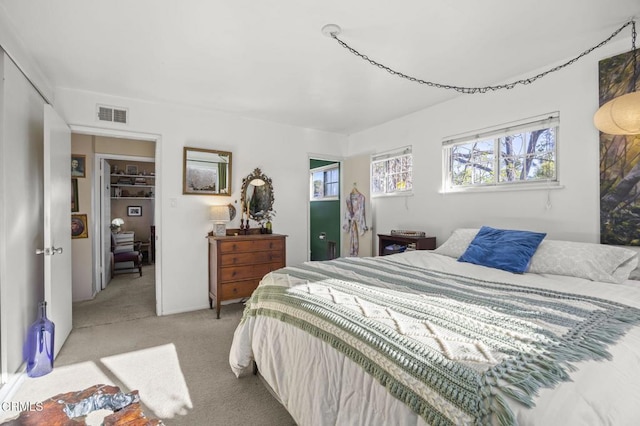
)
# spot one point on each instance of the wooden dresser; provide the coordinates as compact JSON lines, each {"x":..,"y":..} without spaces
{"x":238,"y":263}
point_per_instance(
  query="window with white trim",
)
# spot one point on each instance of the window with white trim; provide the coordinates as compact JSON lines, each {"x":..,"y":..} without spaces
{"x":519,"y":154}
{"x":325,"y":182}
{"x":392,"y":172}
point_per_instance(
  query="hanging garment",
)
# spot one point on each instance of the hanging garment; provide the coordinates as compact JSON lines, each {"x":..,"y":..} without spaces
{"x":354,"y":221}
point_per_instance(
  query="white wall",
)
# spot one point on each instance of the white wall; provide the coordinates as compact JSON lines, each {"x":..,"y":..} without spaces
{"x":21,"y":211}
{"x":82,"y":248}
{"x":574,"y":214}
{"x":280,"y":151}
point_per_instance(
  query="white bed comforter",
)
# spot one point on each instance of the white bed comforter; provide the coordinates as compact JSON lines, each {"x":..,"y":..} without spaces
{"x":320,"y":386}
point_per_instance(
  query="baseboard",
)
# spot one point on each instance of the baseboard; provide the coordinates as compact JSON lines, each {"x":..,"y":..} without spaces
{"x":9,"y":389}
{"x":185,"y":310}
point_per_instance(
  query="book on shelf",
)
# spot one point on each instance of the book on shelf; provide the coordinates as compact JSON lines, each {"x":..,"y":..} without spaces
{"x":406,"y":233}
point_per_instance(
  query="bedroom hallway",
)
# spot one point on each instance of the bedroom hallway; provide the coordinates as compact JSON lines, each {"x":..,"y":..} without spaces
{"x":178,"y":363}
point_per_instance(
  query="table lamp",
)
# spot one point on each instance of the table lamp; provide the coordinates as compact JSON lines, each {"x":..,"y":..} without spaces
{"x":116,"y":224}
{"x":219,"y":215}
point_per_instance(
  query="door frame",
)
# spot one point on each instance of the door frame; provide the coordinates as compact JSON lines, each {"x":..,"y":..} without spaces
{"x":98,"y":175}
{"x":324,"y":157}
{"x":157,"y":201}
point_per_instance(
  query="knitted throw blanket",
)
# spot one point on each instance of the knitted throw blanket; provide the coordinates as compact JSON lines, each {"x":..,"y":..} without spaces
{"x":456,"y":350}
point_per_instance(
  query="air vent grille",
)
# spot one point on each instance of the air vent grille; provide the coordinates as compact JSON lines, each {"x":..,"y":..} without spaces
{"x":120,"y":116}
{"x":112,"y":114}
{"x":105,"y":114}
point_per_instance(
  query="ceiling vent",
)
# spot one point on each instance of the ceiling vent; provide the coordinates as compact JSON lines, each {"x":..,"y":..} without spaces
{"x":113,"y":114}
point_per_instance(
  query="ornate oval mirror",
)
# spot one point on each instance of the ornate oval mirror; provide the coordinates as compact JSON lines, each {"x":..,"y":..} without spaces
{"x":257,"y":196}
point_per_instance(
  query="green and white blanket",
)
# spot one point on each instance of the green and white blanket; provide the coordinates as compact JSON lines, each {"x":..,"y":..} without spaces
{"x":456,"y":350}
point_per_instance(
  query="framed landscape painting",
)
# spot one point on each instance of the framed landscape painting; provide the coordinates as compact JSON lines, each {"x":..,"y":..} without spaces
{"x":619,"y":160}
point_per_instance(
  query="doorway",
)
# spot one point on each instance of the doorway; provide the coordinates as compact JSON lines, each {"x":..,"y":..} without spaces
{"x":324,"y":209}
{"x":126,"y":210}
{"x":127,"y":149}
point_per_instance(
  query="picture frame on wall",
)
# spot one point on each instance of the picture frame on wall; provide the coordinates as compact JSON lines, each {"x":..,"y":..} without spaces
{"x":206,"y":172}
{"x":131,"y":169}
{"x":75,"y":202}
{"x":618,"y":161}
{"x":134,"y":210}
{"x":79,"y":228}
{"x":78,"y":165}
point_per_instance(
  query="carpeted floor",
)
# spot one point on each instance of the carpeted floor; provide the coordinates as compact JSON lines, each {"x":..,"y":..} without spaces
{"x":178,"y":363}
{"x":128,"y":297}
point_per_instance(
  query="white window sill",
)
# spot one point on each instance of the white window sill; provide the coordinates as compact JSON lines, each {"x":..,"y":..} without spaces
{"x":393,"y":194}
{"x":505,"y":188}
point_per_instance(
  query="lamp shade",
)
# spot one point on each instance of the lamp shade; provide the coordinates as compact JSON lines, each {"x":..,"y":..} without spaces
{"x":219,"y":213}
{"x":619,"y":116}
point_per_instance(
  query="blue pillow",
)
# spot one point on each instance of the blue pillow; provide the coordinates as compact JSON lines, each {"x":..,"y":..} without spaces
{"x":504,"y":249}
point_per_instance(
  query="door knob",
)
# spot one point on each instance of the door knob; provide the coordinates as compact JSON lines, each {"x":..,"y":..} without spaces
{"x":49,"y":251}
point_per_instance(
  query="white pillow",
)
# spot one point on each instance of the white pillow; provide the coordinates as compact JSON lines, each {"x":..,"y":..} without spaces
{"x":458,"y":242}
{"x":596,"y":262}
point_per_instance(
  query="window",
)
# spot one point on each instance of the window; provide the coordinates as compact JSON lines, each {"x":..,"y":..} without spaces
{"x":523,"y":153}
{"x":392,"y":172}
{"x":325,"y":182}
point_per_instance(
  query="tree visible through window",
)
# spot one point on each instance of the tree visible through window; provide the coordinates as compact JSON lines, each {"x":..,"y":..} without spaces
{"x":325,"y":182}
{"x":518,"y":154}
{"x":392,"y":172}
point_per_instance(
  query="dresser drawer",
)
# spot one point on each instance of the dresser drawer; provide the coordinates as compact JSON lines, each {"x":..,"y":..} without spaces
{"x":239,"y":289}
{"x":231,"y":259}
{"x":235,"y":273}
{"x":251,"y":246}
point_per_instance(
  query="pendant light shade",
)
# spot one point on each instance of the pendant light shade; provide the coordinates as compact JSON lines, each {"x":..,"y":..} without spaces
{"x":619,"y":116}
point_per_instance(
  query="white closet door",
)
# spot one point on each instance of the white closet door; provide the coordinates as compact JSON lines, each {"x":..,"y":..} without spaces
{"x":57,"y":224}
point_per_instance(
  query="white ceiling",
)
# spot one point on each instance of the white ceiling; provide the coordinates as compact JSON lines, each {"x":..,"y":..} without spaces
{"x":269,"y":60}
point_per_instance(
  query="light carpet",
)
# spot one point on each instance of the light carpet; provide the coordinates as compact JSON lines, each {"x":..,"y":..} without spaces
{"x":179,"y":363}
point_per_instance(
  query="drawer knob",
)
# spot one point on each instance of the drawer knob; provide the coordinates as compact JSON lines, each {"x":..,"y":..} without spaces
{"x":235,"y":290}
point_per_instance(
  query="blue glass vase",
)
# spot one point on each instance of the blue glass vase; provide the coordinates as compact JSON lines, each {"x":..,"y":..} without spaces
{"x":40,"y":344}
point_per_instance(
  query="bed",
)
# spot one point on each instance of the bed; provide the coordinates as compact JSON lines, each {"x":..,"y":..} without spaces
{"x":420,"y":337}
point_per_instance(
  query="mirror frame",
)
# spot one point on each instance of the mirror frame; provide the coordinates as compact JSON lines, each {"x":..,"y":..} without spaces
{"x":257,"y":174}
{"x":212,"y":153}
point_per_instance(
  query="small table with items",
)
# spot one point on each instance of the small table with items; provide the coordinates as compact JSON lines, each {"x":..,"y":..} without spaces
{"x":145,"y":249}
{"x":72,"y":408}
{"x":397,"y":243}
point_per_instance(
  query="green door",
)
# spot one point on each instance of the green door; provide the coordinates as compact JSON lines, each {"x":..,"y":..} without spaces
{"x":325,"y":210}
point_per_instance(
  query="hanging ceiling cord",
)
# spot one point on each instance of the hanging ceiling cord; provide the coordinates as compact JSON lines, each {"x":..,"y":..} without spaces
{"x":471,"y":90}
{"x":635,"y":55}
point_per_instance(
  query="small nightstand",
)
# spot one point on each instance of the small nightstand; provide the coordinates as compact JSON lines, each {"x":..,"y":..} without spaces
{"x":421,"y":243}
